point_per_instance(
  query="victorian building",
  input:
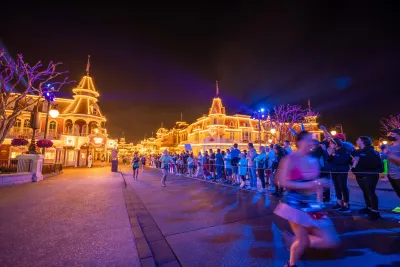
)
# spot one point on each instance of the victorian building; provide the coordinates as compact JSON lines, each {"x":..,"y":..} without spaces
{"x":78,"y":131}
{"x":217,"y":129}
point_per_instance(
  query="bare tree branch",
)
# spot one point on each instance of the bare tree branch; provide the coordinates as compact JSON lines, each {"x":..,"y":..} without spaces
{"x":22,"y":87}
{"x":284,"y":117}
{"x":390,"y":123}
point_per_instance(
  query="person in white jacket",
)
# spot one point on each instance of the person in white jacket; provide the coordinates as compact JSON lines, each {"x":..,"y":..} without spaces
{"x":251,"y":155}
{"x":90,"y":161}
{"x":261,"y":161}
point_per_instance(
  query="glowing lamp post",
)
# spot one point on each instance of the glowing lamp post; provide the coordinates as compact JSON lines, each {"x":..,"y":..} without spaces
{"x":384,"y":142}
{"x":54,"y":113}
{"x":333,"y":133}
{"x":259,"y":115}
{"x":49,"y":96}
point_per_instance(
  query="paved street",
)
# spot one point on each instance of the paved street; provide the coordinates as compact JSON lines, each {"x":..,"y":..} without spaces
{"x":78,"y":218}
{"x":207,"y":224}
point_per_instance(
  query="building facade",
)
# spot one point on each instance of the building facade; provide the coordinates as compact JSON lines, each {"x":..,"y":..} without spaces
{"x":78,"y":131}
{"x":217,"y":129}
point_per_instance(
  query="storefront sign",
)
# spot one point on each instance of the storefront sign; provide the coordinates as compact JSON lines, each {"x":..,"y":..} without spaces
{"x":97,"y":140}
{"x":111,"y":144}
{"x":69,"y":141}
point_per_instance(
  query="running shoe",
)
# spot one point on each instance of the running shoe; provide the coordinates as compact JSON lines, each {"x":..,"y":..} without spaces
{"x":364,"y":211}
{"x":345,"y":209}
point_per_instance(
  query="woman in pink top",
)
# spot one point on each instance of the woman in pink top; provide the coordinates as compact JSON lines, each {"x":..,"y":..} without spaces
{"x":298,"y":173}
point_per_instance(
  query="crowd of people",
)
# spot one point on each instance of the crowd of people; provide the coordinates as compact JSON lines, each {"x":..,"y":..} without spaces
{"x":302,"y":178}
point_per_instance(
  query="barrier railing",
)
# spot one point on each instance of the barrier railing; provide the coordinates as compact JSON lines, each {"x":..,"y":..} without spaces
{"x":11,"y":166}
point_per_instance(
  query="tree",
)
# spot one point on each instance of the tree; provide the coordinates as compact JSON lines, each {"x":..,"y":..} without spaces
{"x":22,"y":86}
{"x":390,"y":123}
{"x":284,"y":117}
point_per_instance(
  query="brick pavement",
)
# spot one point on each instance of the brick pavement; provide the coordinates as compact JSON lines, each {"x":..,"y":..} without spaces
{"x":78,"y":218}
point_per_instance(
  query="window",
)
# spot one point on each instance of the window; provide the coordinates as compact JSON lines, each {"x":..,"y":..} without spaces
{"x":27,"y":123}
{"x":68,"y":128}
{"x":52,"y":125}
{"x":245,"y":135}
{"x":17,"y":123}
{"x":52,"y":128}
{"x":215,"y":121}
{"x":231,"y":124}
{"x":232,"y":136}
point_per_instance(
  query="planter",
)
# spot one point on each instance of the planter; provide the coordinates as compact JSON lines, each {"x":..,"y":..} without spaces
{"x":19,"y":142}
{"x":44,"y":143}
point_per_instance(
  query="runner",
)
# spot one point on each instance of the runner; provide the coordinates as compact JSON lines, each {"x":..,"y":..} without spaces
{"x":298,"y":173}
{"x":165,"y":161}
{"x":143,"y":161}
{"x":135,"y":166}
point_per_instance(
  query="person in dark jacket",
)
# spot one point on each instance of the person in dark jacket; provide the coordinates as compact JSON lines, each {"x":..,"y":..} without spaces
{"x":367,"y":165}
{"x":280,"y":154}
{"x":219,"y":162}
{"x":320,"y":152}
{"x":339,"y":165}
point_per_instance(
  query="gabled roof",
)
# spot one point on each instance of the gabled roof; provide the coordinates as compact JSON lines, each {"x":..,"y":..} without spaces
{"x":85,"y":99}
{"x":216,"y":107}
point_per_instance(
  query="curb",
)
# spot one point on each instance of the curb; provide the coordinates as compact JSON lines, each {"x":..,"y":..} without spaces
{"x":153,"y":249}
{"x":45,"y":176}
{"x":145,"y":255}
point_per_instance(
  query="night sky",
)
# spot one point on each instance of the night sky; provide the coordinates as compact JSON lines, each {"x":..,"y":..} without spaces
{"x":150,"y":63}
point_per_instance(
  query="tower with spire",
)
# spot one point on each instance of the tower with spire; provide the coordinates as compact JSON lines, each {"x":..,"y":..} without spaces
{"x":216,"y":106}
{"x":84,"y":112}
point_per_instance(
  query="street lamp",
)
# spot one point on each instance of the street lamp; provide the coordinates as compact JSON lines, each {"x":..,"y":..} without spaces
{"x":259,"y":115}
{"x":54,"y":113}
{"x":333,"y":133}
{"x":35,"y":124}
{"x":384,"y":142}
{"x":49,"y":96}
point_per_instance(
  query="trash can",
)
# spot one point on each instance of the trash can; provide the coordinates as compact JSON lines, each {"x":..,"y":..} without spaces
{"x":114,"y":165}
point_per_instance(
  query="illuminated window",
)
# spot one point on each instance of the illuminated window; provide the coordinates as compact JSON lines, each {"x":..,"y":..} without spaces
{"x":27,"y":123}
{"x":245,"y":135}
{"x":17,"y":123}
{"x":232,"y":136}
{"x":231,"y":124}
{"x":53,"y":125}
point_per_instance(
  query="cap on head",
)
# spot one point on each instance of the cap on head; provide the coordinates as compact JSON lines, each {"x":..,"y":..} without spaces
{"x":340,"y":136}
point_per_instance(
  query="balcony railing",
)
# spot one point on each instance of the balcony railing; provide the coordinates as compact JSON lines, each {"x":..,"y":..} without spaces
{"x":20,"y":133}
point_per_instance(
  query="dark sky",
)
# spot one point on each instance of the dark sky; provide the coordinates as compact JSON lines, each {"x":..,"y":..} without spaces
{"x":150,"y":63}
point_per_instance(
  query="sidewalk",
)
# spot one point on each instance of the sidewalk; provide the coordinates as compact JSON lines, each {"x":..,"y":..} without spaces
{"x":207,"y":224}
{"x":78,"y":218}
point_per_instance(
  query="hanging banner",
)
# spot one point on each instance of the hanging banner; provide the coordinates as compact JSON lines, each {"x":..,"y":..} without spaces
{"x":188,"y":147}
